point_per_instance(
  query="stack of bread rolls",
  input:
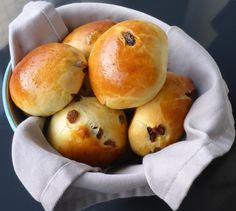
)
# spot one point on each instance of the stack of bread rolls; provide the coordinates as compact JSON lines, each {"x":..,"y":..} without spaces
{"x":86,"y":84}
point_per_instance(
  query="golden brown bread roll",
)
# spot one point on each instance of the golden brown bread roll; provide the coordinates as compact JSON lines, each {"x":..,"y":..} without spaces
{"x":127,"y":65}
{"x":84,"y":37}
{"x":160,"y":122}
{"x":89,"y":132}
{"x":46,"y":79}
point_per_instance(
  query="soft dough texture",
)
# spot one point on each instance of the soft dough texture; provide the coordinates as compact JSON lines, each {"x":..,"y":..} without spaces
{"x":89,"y":132}
{"x":84,"y":37}
{"x":127,"y":65}
{"x":46,"y":79}
{"x":160,"y":122}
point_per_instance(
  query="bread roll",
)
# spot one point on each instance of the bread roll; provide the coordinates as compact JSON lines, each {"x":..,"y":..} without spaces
{"x":127,"y":65}
{"x":46,"y":79}
{"x":89,"y":132}
{"x":85,"y":36}
{"x":160,"y":122}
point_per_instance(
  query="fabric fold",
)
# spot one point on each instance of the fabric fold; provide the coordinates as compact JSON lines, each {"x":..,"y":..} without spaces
{"x":38,"y":23}
{"x":43,"y":171}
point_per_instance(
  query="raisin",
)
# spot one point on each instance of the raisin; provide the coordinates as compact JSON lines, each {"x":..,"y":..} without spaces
{"x":155,"y":131}
{"x":152,"y":134}
{"x":72,"y":116}
{"x":129,"y":38}
{"x":160,"y":130}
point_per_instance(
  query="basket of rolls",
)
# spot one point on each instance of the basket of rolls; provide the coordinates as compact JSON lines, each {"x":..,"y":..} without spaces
{"x":108,"y":102}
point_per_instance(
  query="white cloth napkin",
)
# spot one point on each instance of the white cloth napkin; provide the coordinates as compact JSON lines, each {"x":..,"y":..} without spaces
{"x":61,"y":184}
{"x":37,"y":24}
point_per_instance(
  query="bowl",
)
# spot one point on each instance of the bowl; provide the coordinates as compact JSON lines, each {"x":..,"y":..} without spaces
{"x":13,"y":114}
{"x":203,"y":144}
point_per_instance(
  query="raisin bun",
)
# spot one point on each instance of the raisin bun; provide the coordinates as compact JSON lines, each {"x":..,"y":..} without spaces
{"x":127,"y":65}
{"x":84,"y":37}
{"x":46,"y":79}
{"x":160,"y":122}
{"x":89,"y":132}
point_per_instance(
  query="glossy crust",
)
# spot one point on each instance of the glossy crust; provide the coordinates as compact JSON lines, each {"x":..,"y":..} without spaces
{"x":127,"y":65}
{"x":95,"y":135}
{"x":84,"y":37}
{"x":44,"y":81}
{"x":160,"y":122}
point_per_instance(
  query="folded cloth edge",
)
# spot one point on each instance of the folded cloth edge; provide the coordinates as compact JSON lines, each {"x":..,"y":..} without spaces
{"x":43,"y":11}
{"x":63,"y":178}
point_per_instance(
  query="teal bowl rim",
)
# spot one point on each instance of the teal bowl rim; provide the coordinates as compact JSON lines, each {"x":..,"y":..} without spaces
{"x":6,"y":97}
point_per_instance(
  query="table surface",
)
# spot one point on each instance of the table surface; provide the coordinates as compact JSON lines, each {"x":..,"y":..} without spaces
{"x":213,"y":24}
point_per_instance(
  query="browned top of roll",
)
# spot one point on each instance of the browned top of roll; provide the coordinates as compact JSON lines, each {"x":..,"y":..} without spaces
{"x":45,"y":80}
{"x":127,"y":66}
{"x":159,"y":122}
{"x":84,"y":37}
